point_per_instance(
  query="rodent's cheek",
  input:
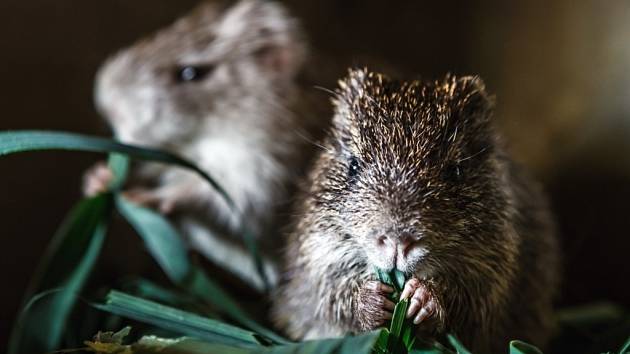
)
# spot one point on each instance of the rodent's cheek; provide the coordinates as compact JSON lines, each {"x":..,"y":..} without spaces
{"x":414,"y":260}
{"x":381,"y":258}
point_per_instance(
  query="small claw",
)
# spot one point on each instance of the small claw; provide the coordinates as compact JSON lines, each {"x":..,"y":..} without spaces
{"x":421,"y":316}
{"x":97,"y":179}
{"x":167,"y":207}
{"x":380,"y":287}
{"x":410,"y":286}
{"x":389,"y":305}
{"x":141,"y":197}
{"x":385,"y":288}
{"x":413,"y":308}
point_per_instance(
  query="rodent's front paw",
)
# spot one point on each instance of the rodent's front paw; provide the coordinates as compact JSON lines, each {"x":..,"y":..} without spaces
{"x":423,"y":304}
{"x":151,"y":198}
{"x":372,"y":305}
{"x":97,"y":179}
{"x":166,"y":198}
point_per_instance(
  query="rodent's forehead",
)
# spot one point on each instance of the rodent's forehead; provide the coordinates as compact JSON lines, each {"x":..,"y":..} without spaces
{"x":380,"y":118}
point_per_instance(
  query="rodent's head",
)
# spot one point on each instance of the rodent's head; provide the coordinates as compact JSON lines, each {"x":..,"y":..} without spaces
{"x":212,"y":61}
{"x":412,"y":172}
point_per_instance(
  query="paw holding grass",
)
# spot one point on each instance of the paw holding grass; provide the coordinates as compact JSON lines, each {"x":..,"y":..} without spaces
{"x":373,"y":307}
{"x":414,"y":306}
{"x":422,"y":302}
{"x":379,"y":297}
{"x":376,"y":301}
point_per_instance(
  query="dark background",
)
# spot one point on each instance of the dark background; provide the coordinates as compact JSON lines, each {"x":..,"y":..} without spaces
{"x":561,"y":73}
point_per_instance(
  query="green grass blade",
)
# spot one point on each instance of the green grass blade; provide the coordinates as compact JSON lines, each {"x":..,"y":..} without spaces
{"x":167,"y":247}
{"x":119,"y":164}
{"x":395,"y":341}
{"x":433,"y":350}
{"x":380,"y":347}
{"x":383,"y":276}
{"x":398,"y":318}
{"x":200,"y":285}
{"x":360,"y":344}
{"x":67,"y":263}
{"x":626,"y":347}
{"x":179,"y":321}
{"x":399,"y":280}
{"x":519,"y":347}
{"x":162,"y":240}
{"x":184,"y":345}
{"x":35,"y":140}
{"x":149,"y":290}
{"x":457,"y":345}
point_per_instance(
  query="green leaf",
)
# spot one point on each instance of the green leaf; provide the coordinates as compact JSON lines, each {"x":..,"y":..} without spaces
{"x":381,"y":342}
{"x":203,"y":287}
{"x":626,"y":347}
{"x":399,"y":280}
{"x":360,"y":344}
{"x":398,"y":318}
{"x":519,"y":347}
{"x":149,"y":290}
{"x":409,"y":336}
{"x":184,"y":345}
{"x":162,"y":240}
{"x":178,"y":321}
{"x":34,"y":140}
{"x":167,"y":247}
{"x":66,"y":264}
{"x":119,"y":164}
{"x":383,"y":276}
{"x":437,"y":348}
{"x":457,"y":345}
{"x":395,"y":343}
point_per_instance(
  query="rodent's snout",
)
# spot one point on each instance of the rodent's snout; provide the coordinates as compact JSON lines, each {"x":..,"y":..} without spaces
{"x":401,"y":245}
{"x":399,"y":249}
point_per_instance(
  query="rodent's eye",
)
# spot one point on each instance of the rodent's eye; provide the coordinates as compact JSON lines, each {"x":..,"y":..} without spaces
{"x":353,"y":169}
{"x":452,"y":172}
{"x":190,"y":73}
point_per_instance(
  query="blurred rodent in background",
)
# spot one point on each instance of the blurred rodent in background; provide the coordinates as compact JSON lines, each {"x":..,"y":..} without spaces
{"x":219,"y":87}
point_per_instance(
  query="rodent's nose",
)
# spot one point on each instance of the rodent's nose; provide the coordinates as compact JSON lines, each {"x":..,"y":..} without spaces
{"x":399,"y":244}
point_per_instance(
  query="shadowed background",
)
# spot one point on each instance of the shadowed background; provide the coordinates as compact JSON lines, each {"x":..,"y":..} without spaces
{"x":561,"y":74}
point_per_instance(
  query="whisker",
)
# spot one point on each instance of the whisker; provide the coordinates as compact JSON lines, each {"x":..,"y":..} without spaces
{"x":473,"y":155}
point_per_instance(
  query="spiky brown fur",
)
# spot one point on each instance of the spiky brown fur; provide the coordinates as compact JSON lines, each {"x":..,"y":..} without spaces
{"x":421,"y":159}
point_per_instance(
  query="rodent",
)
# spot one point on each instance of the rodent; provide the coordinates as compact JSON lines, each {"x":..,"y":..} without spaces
{"x":220,"y":87}
{"x":413,"y":176}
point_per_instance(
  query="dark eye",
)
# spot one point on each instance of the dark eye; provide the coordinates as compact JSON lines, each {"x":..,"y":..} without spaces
{"x":192,"y":73}
{"x":452,"y":172}
{"x":353,"y":169}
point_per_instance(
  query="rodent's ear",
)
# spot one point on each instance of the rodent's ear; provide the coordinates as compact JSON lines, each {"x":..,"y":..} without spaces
{"x":268,"y":32}
{"x":350,"y":90}
{"x":471,"y":98}
{"x":352,"y":87}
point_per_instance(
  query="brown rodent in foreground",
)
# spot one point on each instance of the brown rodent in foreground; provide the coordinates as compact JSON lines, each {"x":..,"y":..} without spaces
{"x":221,"y":87}
{"x":413,"y":177}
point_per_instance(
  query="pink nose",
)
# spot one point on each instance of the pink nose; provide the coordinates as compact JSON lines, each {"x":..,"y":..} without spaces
{"x":397,"y":244}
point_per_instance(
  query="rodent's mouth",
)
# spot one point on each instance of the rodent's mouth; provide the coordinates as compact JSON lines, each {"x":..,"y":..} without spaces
{"x":411,"y":264}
